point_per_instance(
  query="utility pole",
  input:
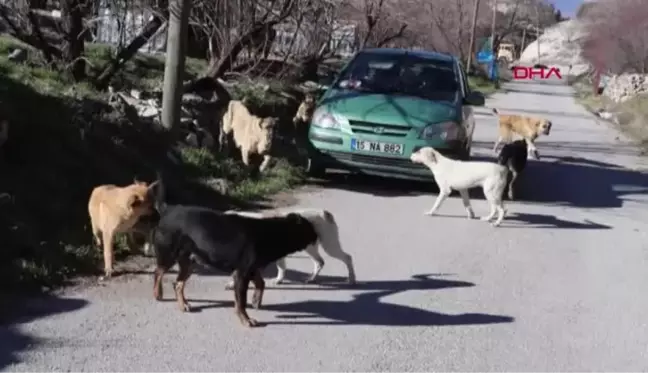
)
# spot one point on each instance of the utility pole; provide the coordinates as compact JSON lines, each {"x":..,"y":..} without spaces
{"x":524,"y":31}
{"x":494,"y":66}
{"x":472,"y":37}
{"x":538,"y":31}
{"x":493,"y":26}
{"x":174,"y":67}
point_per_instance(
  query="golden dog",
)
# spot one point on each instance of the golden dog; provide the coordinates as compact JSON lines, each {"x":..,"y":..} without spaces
{"x":529,"y":128}
{"x":115,"y":209}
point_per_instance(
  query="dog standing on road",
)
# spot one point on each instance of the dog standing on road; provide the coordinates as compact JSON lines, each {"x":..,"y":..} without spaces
{"x":237,"y":244}
{"x":514,"y":157}
{"x":528,"y":127}
{"x":115,"y":209}
{"x":451,"y":174}
{"x":329,"y":239}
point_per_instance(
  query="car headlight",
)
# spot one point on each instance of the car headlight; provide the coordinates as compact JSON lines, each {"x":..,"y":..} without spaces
{"x":446,"y":131}
{"x":323,"y":118}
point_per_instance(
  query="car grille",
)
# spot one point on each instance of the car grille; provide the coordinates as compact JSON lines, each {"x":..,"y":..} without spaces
{"x":360,"y":127}
{"x":378,"y":161}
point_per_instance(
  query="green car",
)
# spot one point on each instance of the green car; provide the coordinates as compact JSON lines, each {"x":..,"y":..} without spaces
{"x":387,"y":103}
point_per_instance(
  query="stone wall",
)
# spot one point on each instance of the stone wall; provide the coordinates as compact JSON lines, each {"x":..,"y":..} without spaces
{"x":622,"y":87}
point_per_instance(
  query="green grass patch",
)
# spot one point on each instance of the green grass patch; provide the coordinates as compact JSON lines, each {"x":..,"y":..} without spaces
{"x":65,"y":139}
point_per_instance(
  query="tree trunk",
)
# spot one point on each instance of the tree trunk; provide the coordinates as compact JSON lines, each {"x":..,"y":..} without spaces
{"x":72,"y":15}
{"x":175,"y":62}
{"x":125,"y":54}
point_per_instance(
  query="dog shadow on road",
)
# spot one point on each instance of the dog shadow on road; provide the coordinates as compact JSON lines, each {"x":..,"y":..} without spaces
{"x":548,"y":221}
{"x":580,"y":182}
{"x":367,"y":307}
{"x":12,"y":340}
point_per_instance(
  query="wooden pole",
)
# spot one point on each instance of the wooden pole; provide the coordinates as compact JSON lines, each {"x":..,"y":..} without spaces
{"x":176,"y":50}
{"x":493,"y":28}
{"x":472,"y":37}
{"x":524,"y":31}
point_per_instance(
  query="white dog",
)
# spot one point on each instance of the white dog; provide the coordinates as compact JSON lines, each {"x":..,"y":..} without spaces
{"x":327,"y":231}
{"x":452,"y":174}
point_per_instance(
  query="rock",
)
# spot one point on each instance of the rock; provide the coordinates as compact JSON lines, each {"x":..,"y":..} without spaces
{"x":219,"y":184}
{"x":622,"y":87}
{"x":18,"y":55}
{"x":559,"y":47}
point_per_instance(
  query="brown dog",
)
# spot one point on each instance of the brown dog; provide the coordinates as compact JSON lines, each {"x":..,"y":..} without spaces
{"x":115,"y":209}
{"x":527,"y":127}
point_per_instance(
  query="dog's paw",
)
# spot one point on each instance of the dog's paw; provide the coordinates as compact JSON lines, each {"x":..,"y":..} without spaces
{"x":428,"y":213}
{"x":250,"y":323}
{"x":106,"y":277}
{"x":185,"y":307}
{"x":158,"y":295}
{"x":485,"y":218}
{"x":310,"y":280}
{"x":256,"y":300}
{"x":278,"y":281}
{"x":229,"y":285}
{"x":351,"y":281}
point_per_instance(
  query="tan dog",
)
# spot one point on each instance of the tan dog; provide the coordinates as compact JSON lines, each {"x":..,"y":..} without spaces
{"x":302,"y":119}
{"x":529,"y":128}
{"x":305,"y":110}
{"x":252,"y":134}
{"x":115,"y":209}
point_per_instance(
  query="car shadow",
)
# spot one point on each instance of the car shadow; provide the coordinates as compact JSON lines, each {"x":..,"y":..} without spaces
{"x":17,"y":311}
{"x":368,"y":308}
{"x":374,"y":185}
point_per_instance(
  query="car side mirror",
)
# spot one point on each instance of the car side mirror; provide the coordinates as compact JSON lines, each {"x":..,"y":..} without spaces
{"x":475,"y":98}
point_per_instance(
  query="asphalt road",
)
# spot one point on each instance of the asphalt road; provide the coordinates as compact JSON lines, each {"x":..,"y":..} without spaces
{"x":560,"y":286}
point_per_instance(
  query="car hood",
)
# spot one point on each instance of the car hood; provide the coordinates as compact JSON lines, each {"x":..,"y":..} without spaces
{"x":389,"y":109}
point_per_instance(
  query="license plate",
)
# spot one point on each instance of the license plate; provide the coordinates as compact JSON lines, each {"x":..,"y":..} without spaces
{"x":377,"y":147}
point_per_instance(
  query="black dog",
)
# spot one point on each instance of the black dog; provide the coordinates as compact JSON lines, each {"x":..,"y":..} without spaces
{"x":514,"y":156}
{"x":232,"y":243}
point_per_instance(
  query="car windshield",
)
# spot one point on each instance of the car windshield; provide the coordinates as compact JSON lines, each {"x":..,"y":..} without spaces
{"x":406,"y":74}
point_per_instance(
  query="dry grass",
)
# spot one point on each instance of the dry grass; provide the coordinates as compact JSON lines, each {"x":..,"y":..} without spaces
{"x":631,"y":115}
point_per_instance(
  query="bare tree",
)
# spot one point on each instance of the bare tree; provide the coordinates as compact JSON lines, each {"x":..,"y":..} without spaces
{"x":234,"y":26}
{"x":617,"y":38}
{"x":158,"y":14}
{"x":61,"y":40}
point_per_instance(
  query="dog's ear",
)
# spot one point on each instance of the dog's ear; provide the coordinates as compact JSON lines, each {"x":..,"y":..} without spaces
{"x":138,"y":182}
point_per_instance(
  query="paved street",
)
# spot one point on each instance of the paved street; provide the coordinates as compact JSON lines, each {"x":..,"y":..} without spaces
{"x":561,"y":286}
